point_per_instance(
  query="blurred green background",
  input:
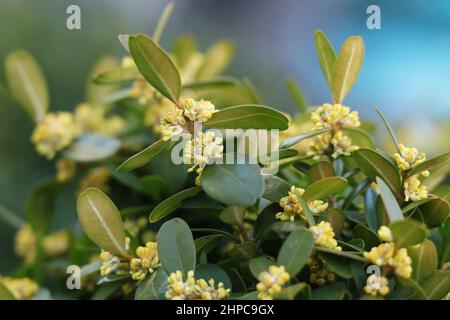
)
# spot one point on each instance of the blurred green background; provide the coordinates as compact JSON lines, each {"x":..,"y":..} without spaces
{"x":405,"y":71}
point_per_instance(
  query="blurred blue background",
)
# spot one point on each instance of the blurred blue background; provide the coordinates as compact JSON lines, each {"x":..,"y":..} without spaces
{"x":406,"y":68}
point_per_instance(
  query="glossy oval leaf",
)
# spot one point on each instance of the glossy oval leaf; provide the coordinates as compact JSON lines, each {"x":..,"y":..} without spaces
{"x":295,"y":250}
{"x":373,"y":164}
{"x":176,"y":248}
{"x":260,"y":264}
{"x":324,"y":188}
{"x":233,"y":184}
{"x":442,"y":160}
{"x":153,"y":287}
{"x":437,"y":286}
{"x":325,"y":54}
{"x":346,"y":67}
{"x":407,"y":233}
{"x":433,"y":213}
{"x":275,"y":188}
{"x":172,"y":203}
{"x":92,"y":147}
{"x":369,"y":237}
{"x":233,"y":215}
{"x":389,"y":202}
{"x":339,"y":265}
{"x":101,"y":221}
{"x":424,"y":260}
{"x":209,"y":271}
{"x":248,"y":117}
{"x":321,"y":170}
{"x":156,"y":66}
{"x":145,"y":156}
{"x":359,"y":137}
{"x":333,"y":291}
{"x":27,"y":83}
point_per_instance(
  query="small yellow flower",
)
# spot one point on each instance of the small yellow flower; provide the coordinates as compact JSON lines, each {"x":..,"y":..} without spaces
{"x":377,"y":286}
{"x":25,"y":243}
{"x":146,"y":262}
{"x":110,"y":263}
{"x":200,"y":110}
{"x":193,"y":289}
{"x":92,"y":119}
{"x":342,"y":145}
{"x":385,"y":234}
{"x":143,"y":92}
{"x":271,"y":282}
{"x":334,"y":116}
{"x":21,"y":288}
{"x":156,"y":113}
{"x":173,"y":125}
{"x":402,"y":263}
{"x":414,"y":191}
{"x":408,"y":157}
{"x":56,"y":243}
{"x":324,"y":236}
{"x":203,"y":150}
{"x":381,"y":255}
{"x":54,"y":132}
{"x":65,"y":169}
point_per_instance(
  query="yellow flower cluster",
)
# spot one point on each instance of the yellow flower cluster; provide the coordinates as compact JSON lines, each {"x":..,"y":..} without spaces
{"x":334,"y":142}
{"x":193,"y":289}
{"x":324,"y":236}
{"x":55,"y":132}
{"x":204,"y":149}
{"x":56,"y":243}
{"x":389,"y":255}
{"x":177,"y":120}
{"x":65,"y":169}
{"x":110,"y":263}
{"x":377,"y":286}
{"x":292,"y":207}
{"x":25,"y":243}
{"x":21,"y":288}
{"x":413,"y":190}
{"x":147,"y":260}
{"x":408,"y":157}
{"x":143,"y":92}
{"x":156,"y":113}
{"x":93,"y":119}
{"x":271,"y":282}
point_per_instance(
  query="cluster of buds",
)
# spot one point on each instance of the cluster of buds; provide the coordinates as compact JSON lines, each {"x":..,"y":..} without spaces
{"x":333,"y":143}
{"x":147,"y":260}
{"x":292,"y":207}
{"x":324,"y":236}
{"x":406,"y":159}
{"x":389,"y":255}
{"x":21,"y":288}
{"x":271,"y":282}
{"x":110,"y":263}
{"x":377,"y":285}
{"x":193,"y":289}
{"x":319,"y":273}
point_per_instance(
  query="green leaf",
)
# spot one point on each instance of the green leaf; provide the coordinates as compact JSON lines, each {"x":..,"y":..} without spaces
{"x":424,"y":260}
{"x":233,"y":184}
{"x":101,"y":221}
{"x":207,"y":243}
{"x":176,"y":248}
{"x":297,"y":95}
{"x":172,"y":203}
{"x":244,"y":251}
{"x":326,"y":55}
{"x":145,"y":156}
{"x":183,"y":48}
{"x":334,"y":291}
{"x":94,"y":92}
{"x":233,"y":215}
{"x":275,"y":188}
{"x":248,"y":117}
{"x":156,"y":66}
{"x":321,"y":170}
{"x":92,"y":147}
{"x":216,"y":59}
{"x":434,"y":163}
{"x":295,"y":250}
{"x":369,"y":237}
{"x":359,"y":137}
{"x":374,"y":164}
{"x":324,"y":188}
{"x":153,"y":185}
{"x":433,"y":212}
{"x":370,"y":212}
{"x":260,"y":264}
{"x":407,"y":289}
{"x":153,"y":287}
{"x":163,"y":21}
{"x":407,"y":232}
{"x":437,"y":286}
{"x":291,"y":141}
{"x":390,"y":203}
{"x":210,"y":84}
{"x":388,"y":128}
{"x":27,"y":83}
{"x":117,"y":75}
{"x":209,"y":271}
{"x":337,"y":220}
{"x":339,"y":265}
{"x":291,"y":292}
{"x":5,"y":294}
{"x":346,"y":67}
